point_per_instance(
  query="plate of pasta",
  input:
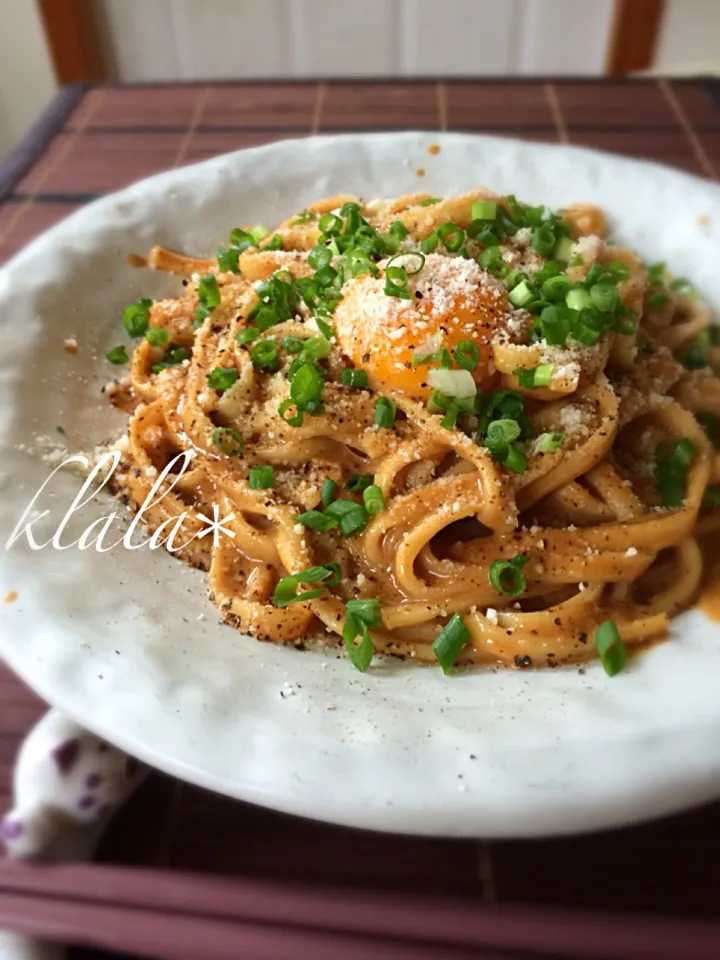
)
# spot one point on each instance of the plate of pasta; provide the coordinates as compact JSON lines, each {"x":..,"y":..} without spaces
{"x":380,"y":499}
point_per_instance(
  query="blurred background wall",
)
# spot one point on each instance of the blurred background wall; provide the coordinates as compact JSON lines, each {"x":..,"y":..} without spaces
{"x":46,"y":41}
{"x":27,"y":77}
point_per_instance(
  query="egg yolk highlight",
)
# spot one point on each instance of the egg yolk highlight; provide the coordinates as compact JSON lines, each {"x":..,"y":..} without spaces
{"x":452,"y":299}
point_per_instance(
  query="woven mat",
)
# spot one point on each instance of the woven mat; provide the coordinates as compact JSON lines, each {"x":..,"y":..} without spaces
{"x":94,"y":141}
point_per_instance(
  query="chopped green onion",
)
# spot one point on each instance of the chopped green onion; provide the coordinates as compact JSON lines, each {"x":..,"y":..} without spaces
{"x":452,"y":407}
{"x":330,"y":224}
{"x":594,"y":274}
{"x":515,"y":459}
{"x":261,"y":478}
{"x":384,"y":413}
{"x":315,"y":348}
{"x":201,"y":315}
{"x":536,"y":377}
{"x":306,"y":216}
{"x":60,"y":429}
{"x":656,"y":300}
{"x":276,"y":243}
{"x":555,"y":289}
{"x":328,"y":492}
{"x":619,"y":271}
{"x":286,"y":589}
{"x":429,"y":201}
{"x":610,"y":647}
{"x":547,"y":442}
{"x":171,"y":358}
{"x":467,"y":355}
{"x":543,"y":240}
{"x":117,"y":355}
{"x":325,"y":329}
{"x":522,"y":294}
{"x":672,"y":460}
{"x":294,"y":421}
{"x":136,"y":317}
{"x":656,"y":273}
{"x":360,"y":615}
{"x":222,"y":378}
{"x":556,"y":323}
{"x":483,"y":210}
{"x":307,"y":388}
{"x":490,"y":256}
{"x":264,"y":355}
{"x":452,"y":236}
{"x":354,"y":378}
{"x":430,"y":242}
{"x":228,"y":441}
{"x":450,"y":642}
{"x":514,"y":278}
{"x":293,"y":345}
{"x":240,"y":240}
{"x":247,"y":335}
{"x":396,"y":277}
{"x":441,"y":356}
{"x":697,"y":355}
{"x":316,"y":520}
{"x":351,"y":516}
{"x":278,"y":301}
{"x":392,"y":239}
{"x":453,"y":383}
{"x":319,"y":257}
{"x":605,"y":297}
{"x":209,"y":292}
{"x":578,"y":299}
{"x":486,"y":236}
{"x":227,"y":258}
{"x":683,"y":287}
{"x":589,"y":326}
{"x":357,"y":482}
{"x":373,"y":500}
{"x":157,"y":336}
{"x":506,"y":576}
{"x":563,"y":249}
{"x":396,"y":283}
{"x":258,"y":232}
{"x":500,"y":434}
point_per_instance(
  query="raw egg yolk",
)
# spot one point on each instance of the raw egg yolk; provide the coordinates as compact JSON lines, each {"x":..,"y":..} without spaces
{"x":452,"y":299}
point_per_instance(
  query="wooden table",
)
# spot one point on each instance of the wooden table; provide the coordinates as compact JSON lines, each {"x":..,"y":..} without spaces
{"x":93,"y":141}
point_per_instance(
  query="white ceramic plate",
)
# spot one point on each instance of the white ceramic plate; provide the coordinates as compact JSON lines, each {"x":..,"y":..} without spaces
{"x":115,"y":639}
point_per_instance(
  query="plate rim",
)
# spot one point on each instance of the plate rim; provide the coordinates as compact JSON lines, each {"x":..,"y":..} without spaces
{"x":610,"y":815}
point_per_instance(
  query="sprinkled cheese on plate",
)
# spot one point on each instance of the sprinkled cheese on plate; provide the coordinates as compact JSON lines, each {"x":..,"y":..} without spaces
{"x":574,"y":418}
{"x":587,"y":247}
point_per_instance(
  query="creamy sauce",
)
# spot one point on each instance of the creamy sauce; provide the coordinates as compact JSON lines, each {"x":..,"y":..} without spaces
{"x":709,"y":601}
{"x":122,"y":397}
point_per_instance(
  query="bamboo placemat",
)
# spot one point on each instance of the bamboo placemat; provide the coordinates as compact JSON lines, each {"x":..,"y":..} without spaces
{"x":98,"y":140}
